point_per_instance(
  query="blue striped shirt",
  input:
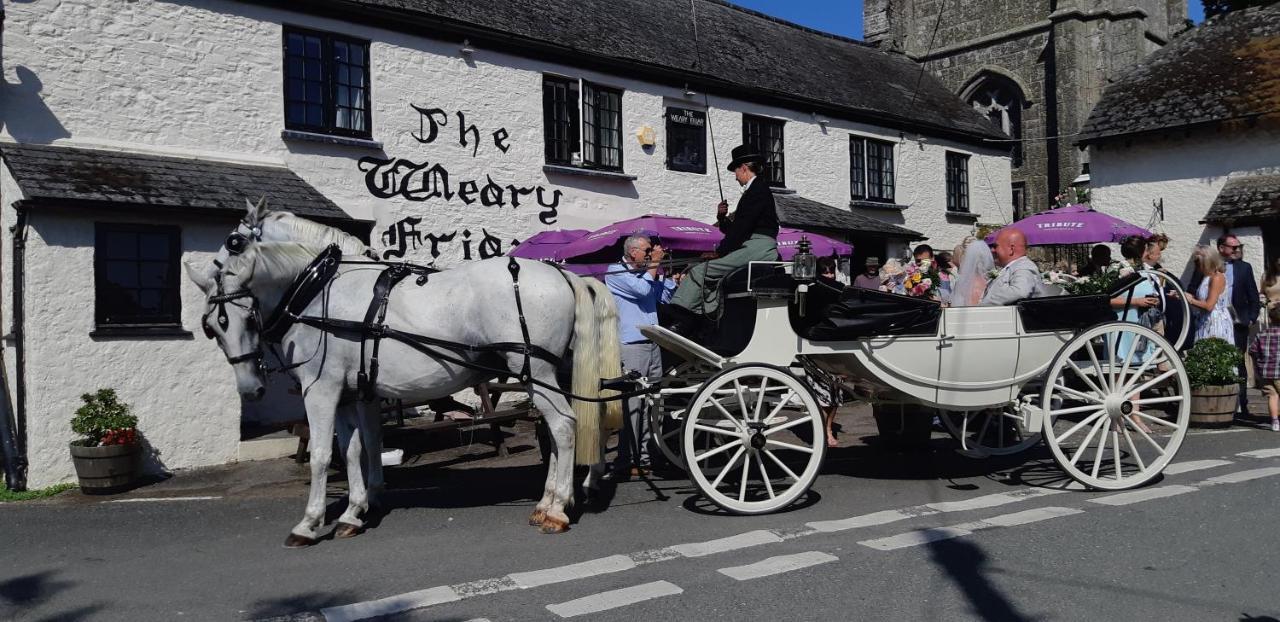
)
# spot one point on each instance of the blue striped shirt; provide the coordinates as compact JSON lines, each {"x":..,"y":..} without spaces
{"x":638,"y":296}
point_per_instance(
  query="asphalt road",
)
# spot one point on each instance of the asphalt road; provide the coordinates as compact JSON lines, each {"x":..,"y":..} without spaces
{"x":916,"y":536}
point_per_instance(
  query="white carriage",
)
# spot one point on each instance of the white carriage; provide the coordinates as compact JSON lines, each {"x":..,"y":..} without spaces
{"x":1110,"y":399}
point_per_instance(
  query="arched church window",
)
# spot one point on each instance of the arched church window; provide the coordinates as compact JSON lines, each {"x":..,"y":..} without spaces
{"x":1001,"y":101}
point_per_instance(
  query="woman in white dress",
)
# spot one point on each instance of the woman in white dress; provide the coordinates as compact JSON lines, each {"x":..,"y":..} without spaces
{"x":1211,"y":297}
{"x":971,"y":281}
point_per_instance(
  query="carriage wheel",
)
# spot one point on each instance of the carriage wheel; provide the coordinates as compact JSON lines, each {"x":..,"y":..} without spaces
{"x":667,"y":410}
{"x":991,"y":432}
{"x":1164,"y":282}
{"x":743,"y":432}
{"x":1116,"y":406}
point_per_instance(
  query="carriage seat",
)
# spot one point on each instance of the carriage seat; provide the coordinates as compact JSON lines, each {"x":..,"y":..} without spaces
{"x":1073,"y":312}
{"x":843,"y":314}
{"x":733,"y":329}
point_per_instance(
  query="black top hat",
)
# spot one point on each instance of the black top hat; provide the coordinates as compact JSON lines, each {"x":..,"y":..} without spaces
{"x":743,"y":154}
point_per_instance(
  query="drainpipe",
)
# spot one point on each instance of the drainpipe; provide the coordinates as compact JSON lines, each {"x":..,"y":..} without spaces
{"x":15,"y":444}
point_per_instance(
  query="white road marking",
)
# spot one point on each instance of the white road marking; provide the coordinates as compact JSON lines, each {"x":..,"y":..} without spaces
{"x":161,"y":499}
{"x":731,"y":543}
{"x":582,"y":570}
{"x":867,"y":520}
{"x":777,"y":565}
{"x":935,"y":534}
{"x":1261,"y":453}
{"x":990,"y":501}
{"x":1194,"y":465}
{"x":391,"y":604}
{"x":1241,"y":476}
{"x":1223,"y":431}
{"x":614,"y":599}
{"x":1145,"y":494}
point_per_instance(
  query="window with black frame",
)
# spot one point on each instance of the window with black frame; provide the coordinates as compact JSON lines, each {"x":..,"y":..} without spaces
{"x":560,"y":120}
{"x":686,"y":140}
{"x":957,"y":182}
{"x":871,"y":173}
{"x":136,"y":275}
{"x":601,"y":127}
{"x":766,"y":136}
{"x":326,"y":83}
{"x":597,"y":142}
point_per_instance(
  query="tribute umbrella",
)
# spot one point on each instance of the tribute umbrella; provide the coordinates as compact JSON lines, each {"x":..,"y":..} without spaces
{"x":821,"y":245}
{"x":1073,"y":224}
{"x":546,"y":244}
{"x":676,"y":234}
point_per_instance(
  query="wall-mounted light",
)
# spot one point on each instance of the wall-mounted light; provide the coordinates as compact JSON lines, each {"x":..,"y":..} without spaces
{"x":646,"y":136}
{"x":466,"y":48}
{"x":820,"y":120}
{"x":688,"y":92}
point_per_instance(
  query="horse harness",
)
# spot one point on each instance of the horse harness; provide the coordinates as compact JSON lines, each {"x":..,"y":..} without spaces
{"x":372,"y":330}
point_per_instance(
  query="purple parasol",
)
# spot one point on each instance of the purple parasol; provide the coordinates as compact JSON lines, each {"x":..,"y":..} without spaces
{"x":1073,"y":224}
{"x":822,"y":245}
{"x":545,"y":244}
{"x":677,"y":234}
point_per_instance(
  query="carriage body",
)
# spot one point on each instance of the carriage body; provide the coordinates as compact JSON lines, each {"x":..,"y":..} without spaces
{"x":1062,"y":366}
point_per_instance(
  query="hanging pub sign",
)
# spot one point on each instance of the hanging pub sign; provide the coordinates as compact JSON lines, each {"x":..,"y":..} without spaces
{"x":686,"y":140}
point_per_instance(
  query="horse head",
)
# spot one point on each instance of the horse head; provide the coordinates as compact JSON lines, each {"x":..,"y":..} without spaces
{"x":232,"y":318}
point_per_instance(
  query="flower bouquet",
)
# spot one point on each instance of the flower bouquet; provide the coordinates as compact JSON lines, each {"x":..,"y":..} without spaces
{"x":922,"y":279}
{"x":1100,"y":283}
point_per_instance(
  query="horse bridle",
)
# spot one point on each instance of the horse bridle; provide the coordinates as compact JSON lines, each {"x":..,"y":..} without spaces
{"x":236,"y":244}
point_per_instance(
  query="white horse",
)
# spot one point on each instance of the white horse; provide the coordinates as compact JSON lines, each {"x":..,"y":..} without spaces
{"x":473,"y":305}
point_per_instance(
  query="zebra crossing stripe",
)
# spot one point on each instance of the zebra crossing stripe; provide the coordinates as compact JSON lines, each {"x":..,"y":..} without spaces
{"x":614,"y":599}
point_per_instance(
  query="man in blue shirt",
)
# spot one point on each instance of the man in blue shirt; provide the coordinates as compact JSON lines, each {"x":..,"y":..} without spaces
{"x":638,"y":287}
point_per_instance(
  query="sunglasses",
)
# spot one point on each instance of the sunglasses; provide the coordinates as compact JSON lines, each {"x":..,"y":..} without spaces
{"x":1235,"y":247}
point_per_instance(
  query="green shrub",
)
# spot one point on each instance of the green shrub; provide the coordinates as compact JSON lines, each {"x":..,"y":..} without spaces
{"x":1211,"y":362}
{"x":7,"y":495}
{"x":103,"y":415}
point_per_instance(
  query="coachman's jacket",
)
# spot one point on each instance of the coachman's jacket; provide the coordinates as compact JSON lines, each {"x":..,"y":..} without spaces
{"x":756,"y":213}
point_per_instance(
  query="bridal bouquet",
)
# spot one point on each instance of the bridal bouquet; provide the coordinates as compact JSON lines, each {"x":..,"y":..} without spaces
{"x":922,"y":280}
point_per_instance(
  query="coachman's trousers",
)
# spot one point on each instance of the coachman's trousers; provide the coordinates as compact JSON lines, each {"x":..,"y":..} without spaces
{"x":699,"y":291}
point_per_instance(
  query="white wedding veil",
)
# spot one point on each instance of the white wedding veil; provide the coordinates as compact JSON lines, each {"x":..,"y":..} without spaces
{"x":972,"y":278}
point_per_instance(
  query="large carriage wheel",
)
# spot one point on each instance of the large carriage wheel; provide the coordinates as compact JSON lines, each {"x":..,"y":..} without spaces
{"x":745,"y":436}
{"x":667,"y":408}
{"x":1116,"y":406}
{"x":1164,"y":281}
{"x":991,"y":432}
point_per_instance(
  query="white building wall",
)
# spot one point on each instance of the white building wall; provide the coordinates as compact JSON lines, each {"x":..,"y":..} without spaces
{"x":203,"y":78}
{"x":1187,"y":172}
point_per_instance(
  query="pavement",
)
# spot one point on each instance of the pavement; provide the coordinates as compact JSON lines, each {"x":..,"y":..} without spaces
{"x":883,"y":535}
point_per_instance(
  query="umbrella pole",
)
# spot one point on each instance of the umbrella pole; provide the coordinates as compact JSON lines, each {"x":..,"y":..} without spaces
{"x":697,"y":51}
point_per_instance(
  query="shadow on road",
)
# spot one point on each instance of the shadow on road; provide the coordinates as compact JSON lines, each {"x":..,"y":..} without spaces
{"x":24,"y":593}
{"x":965,"y":564}
{"x":291,"y":605}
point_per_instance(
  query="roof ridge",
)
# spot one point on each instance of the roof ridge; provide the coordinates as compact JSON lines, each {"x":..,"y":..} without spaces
{"x":800,"y":27}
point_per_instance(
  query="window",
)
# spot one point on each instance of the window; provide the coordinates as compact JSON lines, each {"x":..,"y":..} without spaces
{"x":686,"y":140}
{"x":870,"y":169}
{"x":326,"y":83}
{"x":999,"y":100}
{"x":582,"y":124}
{"x":135,"y":271}
{"x":766,"y":136}
{"x":957,"y":182}
{"x":1019,"y":196}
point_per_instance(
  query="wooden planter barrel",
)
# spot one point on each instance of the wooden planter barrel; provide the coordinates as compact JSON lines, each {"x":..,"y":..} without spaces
{"x":105,"y":469}
{"x":1215,"y":405}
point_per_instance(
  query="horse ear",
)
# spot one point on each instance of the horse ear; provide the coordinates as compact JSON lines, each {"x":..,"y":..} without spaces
{"x":257,"y":211}
{"x":202,"y":277}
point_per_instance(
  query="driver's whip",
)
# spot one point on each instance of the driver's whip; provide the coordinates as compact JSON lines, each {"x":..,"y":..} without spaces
{"x":697,"y":52}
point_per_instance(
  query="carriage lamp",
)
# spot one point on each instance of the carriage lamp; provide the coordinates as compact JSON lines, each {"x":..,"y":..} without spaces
{"x":804,"y":266}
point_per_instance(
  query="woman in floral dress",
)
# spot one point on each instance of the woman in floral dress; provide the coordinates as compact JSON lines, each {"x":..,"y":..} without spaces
{"x":1211,"y":297}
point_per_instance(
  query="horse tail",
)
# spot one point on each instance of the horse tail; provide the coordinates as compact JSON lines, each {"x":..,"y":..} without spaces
{"x":585,"y":382}
{"x":609,"y":362}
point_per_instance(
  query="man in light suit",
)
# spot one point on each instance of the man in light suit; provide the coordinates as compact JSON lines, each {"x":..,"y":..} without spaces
{"x":1019,"y":278}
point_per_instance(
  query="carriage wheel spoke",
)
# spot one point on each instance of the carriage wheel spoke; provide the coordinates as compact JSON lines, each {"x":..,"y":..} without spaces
{"x":1075,"y":457}
{"x":1112,"y":345}
{"x":805,"y":450}
{"x":1085,"y":377}
{"x":964,"y":431}
{"x":721,"y":449}
{"x":1151,"y":383}
{"x":736,"y":424}
{"x":1128,"y":358}
{"x":764,"y":381}
{"x":1073,"y":410}
{"x":1094,"y":399}
{"x":781,"y":404}
{"x":1133,"y":449}
{"x":742,"y":401}
{"x":746,"y":474}
{"x":783,"y":426}
{"x":712,"y":430}
{"x":1102,"y":449}
{"x":1154,"y":444}
{"x":781,"y":465}
{"x":1151,"y":360}
{"x":1115,"y":452}
{"x":1159,"y":400}
{"x":1097,"y":367}
{"x":728,"y":467}
{"x":764,"y":475}
{"x":1156,"y":419}
{"x":1081,"y":424}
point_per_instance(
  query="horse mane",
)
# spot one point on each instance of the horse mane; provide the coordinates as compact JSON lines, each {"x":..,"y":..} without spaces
{"x":273,"y":261}
{"x":316,"y":234}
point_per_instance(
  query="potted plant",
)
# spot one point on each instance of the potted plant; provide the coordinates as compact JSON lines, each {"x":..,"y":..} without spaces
{"x":106,"y":455}
{"x":1211,"y":368}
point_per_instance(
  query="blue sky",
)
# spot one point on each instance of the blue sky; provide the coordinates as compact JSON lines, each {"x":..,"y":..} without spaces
{"x":844,"y":17}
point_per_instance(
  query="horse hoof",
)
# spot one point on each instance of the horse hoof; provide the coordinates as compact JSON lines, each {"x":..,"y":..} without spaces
{"x":295,"y":541}
{"x":347,"y":530}
{"x":552,"y":525}
{"x":537,"y":518}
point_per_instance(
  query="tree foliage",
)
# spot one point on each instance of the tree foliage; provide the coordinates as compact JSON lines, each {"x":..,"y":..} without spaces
{"x":1218,"y":7}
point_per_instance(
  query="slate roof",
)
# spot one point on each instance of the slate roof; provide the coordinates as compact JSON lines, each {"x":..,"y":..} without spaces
{"x":55,"y":174}
{"x":741,"y":51}
{"x":801,"y":213}
{"x":1227,"y":69}
{"x":1247,"y":199}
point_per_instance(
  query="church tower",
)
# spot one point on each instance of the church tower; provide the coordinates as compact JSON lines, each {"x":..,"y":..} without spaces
{"x":1034,"y":67}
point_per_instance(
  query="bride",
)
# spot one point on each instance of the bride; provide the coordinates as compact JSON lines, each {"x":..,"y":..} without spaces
{"x":976,"y":263}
